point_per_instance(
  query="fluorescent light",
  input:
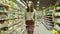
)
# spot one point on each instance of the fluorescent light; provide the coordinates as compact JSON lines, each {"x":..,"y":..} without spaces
{"x":21,"y":3}
{"x":38,"y":2}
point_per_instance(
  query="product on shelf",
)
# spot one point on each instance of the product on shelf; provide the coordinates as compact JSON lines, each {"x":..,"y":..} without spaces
{"x":56,"y":18}
{"x":57,"y":14}
{"x":48,"y":18}
{"x":3,"y":14}
{"x":10,"y":22}
{"x":10,"y":9}
{"x":16,"y":20}
{"x":10,"y":16}
{"x":49,"y":12}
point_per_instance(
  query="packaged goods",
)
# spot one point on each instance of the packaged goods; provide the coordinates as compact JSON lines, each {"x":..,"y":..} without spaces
{"x":57,"y":14}
{"x":6,"y":23}
{"x":58,"y":7}
{"x":10,"y":16}
{"x":10,"y":22}
{"x":16,"y":20}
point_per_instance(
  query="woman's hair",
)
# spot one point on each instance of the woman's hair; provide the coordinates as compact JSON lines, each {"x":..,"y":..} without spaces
{"x":31,"y":8}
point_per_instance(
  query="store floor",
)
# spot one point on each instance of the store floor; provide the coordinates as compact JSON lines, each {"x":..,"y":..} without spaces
{"x":40,"y":29}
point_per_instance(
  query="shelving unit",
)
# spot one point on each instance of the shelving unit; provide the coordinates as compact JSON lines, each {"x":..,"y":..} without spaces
{"x":14,"y":22}
{"x":48,"y":19}
{"x":56,"y":15}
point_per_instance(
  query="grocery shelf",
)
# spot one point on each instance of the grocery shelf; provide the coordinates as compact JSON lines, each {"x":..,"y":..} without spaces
{"x":57,"y":10}
{"x":14,"y":24}
{"x":8,"y":18}
{"x":7,"y":5}
{"x":22,"y":31}
{"x":2,"y":26}
{"x":18,"y":26}
{"x":15,"y":10}
{"x":1,"y":11}
{"x":14,"y":18}
{"x":3,"y":4}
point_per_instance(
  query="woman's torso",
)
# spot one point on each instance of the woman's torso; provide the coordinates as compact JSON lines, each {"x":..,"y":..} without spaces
{"x":29,"y":15}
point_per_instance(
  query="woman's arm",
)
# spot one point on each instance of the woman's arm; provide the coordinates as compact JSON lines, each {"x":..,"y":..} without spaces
{"x":33,"y":16}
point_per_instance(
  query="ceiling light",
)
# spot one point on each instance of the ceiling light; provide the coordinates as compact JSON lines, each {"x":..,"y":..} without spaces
{"x":38,"y":2}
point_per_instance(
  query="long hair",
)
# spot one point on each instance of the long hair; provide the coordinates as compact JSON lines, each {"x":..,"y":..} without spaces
{"x":31,"y":8}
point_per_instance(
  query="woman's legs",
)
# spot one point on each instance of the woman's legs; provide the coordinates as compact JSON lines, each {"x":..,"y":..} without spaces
{"x":30,"y":27}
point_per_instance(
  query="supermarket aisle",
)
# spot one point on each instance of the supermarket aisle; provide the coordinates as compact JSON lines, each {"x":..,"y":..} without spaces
{"x":41,"y":30}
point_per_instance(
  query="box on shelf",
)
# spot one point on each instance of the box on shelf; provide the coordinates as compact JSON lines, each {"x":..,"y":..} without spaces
{"x":49,"y":13}
{"x":10,"y":16}
{"x":10,"y":9}
{"x":10,"y":22}
{"x":57,"y":7}
{"x":16,"y":20}
{"x":57,"y":20}
{"x":16,"y":15}
{"x":57,"y":14}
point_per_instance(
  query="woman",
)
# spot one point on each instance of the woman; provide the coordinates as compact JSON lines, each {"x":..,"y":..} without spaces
{"x":29,"y":18}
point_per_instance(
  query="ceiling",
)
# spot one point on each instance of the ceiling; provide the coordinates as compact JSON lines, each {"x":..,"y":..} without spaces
{"x":43,"y":3}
